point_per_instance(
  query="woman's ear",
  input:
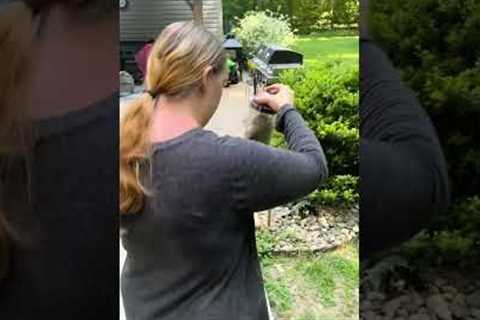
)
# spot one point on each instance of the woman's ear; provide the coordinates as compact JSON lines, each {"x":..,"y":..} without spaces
{"x":207,"y":77}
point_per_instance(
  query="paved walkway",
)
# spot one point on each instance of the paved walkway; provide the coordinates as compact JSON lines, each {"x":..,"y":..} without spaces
{"x":228,"y":120}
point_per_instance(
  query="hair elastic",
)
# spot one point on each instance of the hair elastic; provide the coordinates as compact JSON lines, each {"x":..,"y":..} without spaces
{"x":151,"y":93}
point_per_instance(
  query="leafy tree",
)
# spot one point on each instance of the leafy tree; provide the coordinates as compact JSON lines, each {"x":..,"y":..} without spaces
{"x":306,"y":16}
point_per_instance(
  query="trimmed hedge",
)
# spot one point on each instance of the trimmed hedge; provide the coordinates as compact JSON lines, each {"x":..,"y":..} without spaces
{"x":327,"y":96}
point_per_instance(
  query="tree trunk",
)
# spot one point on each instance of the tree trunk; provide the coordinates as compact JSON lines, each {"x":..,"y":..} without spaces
{"x":198,"y":11}
{"x":332,"y":7}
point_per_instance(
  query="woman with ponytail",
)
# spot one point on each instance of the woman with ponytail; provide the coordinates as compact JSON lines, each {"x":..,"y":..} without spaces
{"x":58,"y":159}
{"x":187,"y":196}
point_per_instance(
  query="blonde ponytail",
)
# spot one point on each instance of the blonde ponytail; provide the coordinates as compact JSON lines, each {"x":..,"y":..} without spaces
{"x":175,"y":67}
{"x":16,"y":32}
{"x":134,"y":144}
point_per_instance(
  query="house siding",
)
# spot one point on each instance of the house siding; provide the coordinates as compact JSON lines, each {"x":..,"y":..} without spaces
{"x":144,"y":19}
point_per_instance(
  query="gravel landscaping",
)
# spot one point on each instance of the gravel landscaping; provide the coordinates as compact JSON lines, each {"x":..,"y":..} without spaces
{"x":433,"y":295}
{"x":295,"y":233}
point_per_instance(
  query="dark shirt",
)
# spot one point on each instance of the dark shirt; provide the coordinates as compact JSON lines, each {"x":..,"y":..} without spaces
{"x":403,"y":174}
{"x":191,"y":253}
{"x":65,"y":234}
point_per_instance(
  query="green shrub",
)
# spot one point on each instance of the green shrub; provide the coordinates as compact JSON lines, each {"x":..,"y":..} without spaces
{"x":435,"y":45}
{"x":338,"y":191}
{"x":346,"y":12}
{"x":265,"y":244}
{"x":327,"y":97}
{"x":457,"y":233}
{"x":466,"y":216}
{"x":453,"y":242}
{"x":263,"y":27}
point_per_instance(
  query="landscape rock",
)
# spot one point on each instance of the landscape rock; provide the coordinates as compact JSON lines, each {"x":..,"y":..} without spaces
{"x":369,"y":315}
{"x":420,"y":316}
{"x":458,"y":307}
{"x":473,"y":300}
{"x":392,"y":306}
{"x":432,"y":294}
{"x":439,"y":307}
{"x":476,"y":314}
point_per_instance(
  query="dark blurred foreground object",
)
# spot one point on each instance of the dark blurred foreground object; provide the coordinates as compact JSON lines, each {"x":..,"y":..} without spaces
{"x":58,"y":160}
{"x":403,"y":174}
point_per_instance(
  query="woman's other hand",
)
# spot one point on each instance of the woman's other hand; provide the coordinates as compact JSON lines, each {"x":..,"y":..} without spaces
{"x":275,"y":96}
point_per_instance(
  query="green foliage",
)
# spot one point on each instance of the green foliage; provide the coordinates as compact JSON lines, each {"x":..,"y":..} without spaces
{"x":455,"y":246}
{"x":338,"y":191}
{"x":263,"y":27}
{"x":455,"y":238}
{"x":265,"y":244}
{"x":435,"y":44}
{"x":327,"y":96}
{"x":266,"y":240}
{"x":313,"y":15}
{"x":455,"y":242}
{"x":346,"y":12}
{"x":325,"y":272}
{"x":307,"y":16}
{"x":444,"y":248}
{"x":465,"y":216}
{"x":233,"y":9}
{"x":279,"y":294}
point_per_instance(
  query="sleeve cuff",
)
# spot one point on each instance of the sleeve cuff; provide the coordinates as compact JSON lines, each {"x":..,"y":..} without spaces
{"x":280,"y":117}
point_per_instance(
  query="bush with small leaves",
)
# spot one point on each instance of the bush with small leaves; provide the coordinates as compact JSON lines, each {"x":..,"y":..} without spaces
{"x":263,"y":28}
{"x":327,"y":96}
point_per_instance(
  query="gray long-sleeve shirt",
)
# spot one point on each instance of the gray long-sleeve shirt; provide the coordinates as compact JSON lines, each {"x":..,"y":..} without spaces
{"x":191,"y":253}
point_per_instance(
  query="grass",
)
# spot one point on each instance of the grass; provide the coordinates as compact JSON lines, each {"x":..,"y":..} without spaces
{"x":322,"y":48}
{"x":279,"y":295}
{"x":323,"y":273}
{"x":314,"y":286}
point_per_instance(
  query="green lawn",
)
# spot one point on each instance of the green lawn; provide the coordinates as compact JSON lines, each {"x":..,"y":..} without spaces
{"x":317,"y":49}
{"x":314,"y":287}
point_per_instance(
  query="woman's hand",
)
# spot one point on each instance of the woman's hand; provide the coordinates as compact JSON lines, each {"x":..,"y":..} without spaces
{"x":275,"y":96}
